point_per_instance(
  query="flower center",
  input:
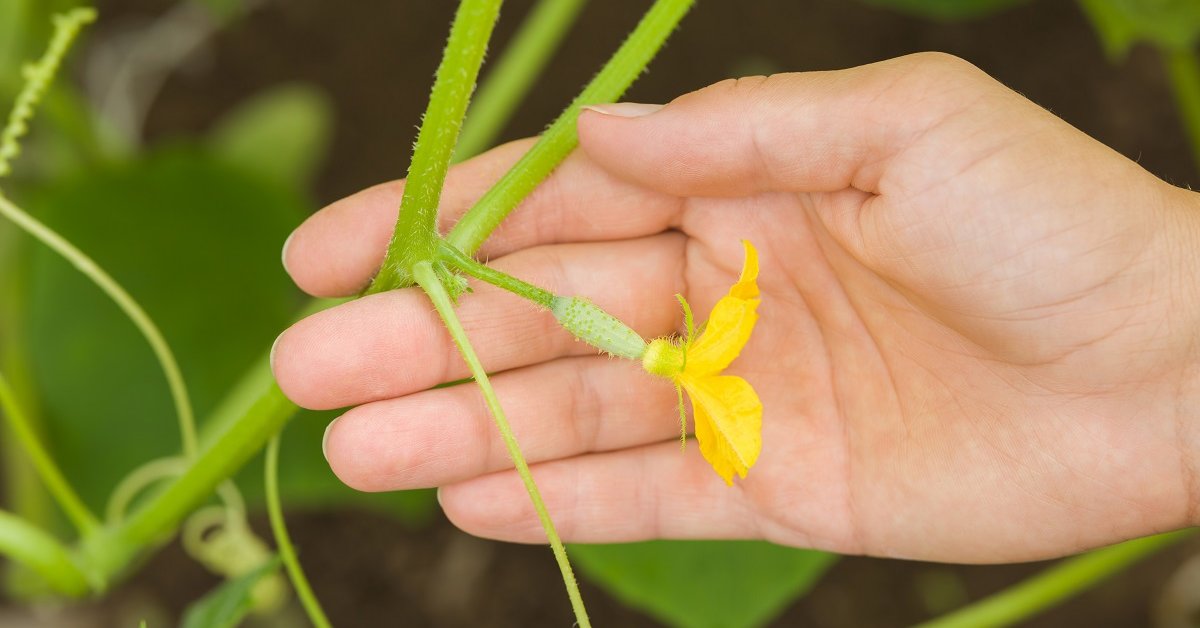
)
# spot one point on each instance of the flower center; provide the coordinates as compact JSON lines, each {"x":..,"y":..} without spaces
{"x":663,"y":358}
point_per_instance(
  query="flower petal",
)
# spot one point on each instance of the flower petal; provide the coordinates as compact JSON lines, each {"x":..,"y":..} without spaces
{"x":730,"y":323}
{"x":728,"y":422}
{"x":747,"y":285}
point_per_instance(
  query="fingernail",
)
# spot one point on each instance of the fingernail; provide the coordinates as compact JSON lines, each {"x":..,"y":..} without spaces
{"x":271,"y":359}
{"x":325,"y":438}
{"x":283,"y":256}
{"x":439,"y":498}
{"x":625,"y":109}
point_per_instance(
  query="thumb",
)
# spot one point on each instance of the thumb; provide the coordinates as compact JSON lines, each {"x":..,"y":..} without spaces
{"x":799,"y":132}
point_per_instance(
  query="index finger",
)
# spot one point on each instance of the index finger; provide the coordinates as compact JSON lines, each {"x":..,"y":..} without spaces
{"x":337,"y":250}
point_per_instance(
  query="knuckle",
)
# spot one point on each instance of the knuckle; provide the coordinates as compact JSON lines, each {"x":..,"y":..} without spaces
{"x":943,"y":65}
{"x":360,"y":463}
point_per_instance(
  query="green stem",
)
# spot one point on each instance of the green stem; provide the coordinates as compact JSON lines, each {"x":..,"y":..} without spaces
{"x":508,"y":82}
{"x":26,"y":495}
{"x":127,"y":304}
{"x":114,"y":548}
{"x":42,"y":554}
{"x":138,"y":481}
{"x":456,"y":259}
{"x":428,"y":280}
{"x":283,"y":541}
{"x":253,"y":411}
{"x":415,"y":237}
{"x":1183,"y":68}
{"x":1055,"y":585}
{"x":561,"y":138}
{"x":47,"y":470}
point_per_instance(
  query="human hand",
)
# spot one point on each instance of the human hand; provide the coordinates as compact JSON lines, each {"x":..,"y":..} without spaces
{"x":976,"y":338}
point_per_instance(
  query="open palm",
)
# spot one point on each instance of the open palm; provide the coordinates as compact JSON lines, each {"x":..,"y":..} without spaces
{"x":974,"y":342}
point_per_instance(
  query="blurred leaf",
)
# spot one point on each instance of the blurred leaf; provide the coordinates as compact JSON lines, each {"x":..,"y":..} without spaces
{"x":1171,"y":24}
{"x":228,"y":604}
{"x":224,"y":10}
{"x":704,"y":584}
{"x":12,"y":29}
{"x":947,"y":9}
{"x":196,"y":242}
{"x":282,"y":133}
{"x":305,"y":481}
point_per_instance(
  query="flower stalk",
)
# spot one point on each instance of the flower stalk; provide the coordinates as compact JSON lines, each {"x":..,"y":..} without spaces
{"x":584,"y":319}
{"x":429,"y":281}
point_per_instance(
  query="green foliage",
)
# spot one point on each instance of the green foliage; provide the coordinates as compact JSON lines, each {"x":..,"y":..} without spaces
{"x":12,"y":29}
{"x":1170,"y":24}
{"x":194,"y":241}
{"x":306,"y":482}
{"x":228,"y":604}
{"x":948,"y":9}
{"x":704,"y":584}
{"x":281,"y":133}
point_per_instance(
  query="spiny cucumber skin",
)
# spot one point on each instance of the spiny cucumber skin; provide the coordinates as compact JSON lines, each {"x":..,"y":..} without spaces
{"x":598,"y":328}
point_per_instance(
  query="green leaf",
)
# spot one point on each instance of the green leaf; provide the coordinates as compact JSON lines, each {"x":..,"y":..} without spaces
{"x":196,"y":242}
{"x":12,"y":27}
{"x":704,"y":584}
{"x":305,"y":481}
{"x":1171,"y":24}
{"x":228,"y":604}
{"x":282,"y":133}
{"x":947,"y":9}
{"x":225,"y":10}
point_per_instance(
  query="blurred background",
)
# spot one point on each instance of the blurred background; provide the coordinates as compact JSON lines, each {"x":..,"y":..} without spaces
{"x":185,"y":140}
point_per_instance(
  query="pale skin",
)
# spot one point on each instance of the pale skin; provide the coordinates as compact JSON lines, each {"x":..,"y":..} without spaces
{"x":977,"y":339}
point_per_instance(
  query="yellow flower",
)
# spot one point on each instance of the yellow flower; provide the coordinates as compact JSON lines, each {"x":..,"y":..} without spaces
{"x":727,"y":411}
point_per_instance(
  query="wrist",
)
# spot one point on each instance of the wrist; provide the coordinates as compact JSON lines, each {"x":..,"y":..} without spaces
{"x":1184,"y":206}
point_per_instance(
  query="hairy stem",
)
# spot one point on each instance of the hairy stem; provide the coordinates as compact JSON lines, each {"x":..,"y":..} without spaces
{"x":415,"y":237}
{"x":1183,"y":68}
{"x":37,"y":79}
{"x":506,"y":84}
{"x":47,"y":470}
{"x":42,"y":554}
{"x":456,"y":259}
{"x":287,"y":552}
{"x":561,"y":138}
{"x":1055,"y":585}
{"x":127,"y":304}
{"x":428,"y":280}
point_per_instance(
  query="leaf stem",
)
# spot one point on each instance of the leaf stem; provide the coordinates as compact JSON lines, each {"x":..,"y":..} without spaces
{"x":42,"y":554}
{"x":1055,"y":585}
{"x":47,"y":470}
{"x":507,"y":83}
{"x":287,"y":552}
{"x":456,"y":259}
{"x":1183,"y":69}
{"x":415,"y":237}
{"x":428,"y":280}
{"x":561,"y":138}
{"x":127,"y":304}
